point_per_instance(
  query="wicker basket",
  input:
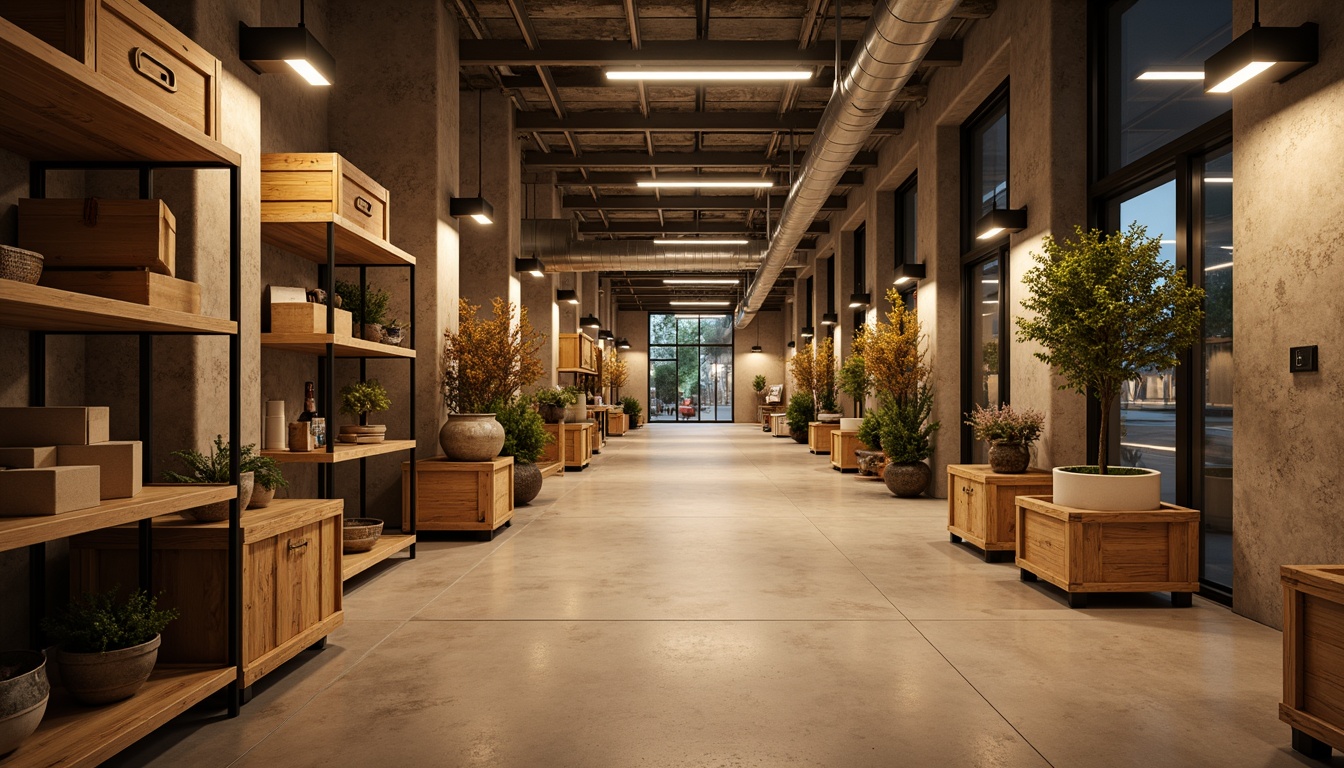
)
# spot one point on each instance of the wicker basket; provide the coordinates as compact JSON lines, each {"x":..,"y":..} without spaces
{"x":21,"y":265}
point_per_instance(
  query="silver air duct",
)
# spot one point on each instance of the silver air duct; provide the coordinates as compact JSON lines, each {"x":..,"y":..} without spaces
{"x":895,"y":41}
{"x":553,"y":241}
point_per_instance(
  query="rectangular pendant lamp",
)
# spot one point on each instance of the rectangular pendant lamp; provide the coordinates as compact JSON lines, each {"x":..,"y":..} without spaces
{"x":478,"y":208}
{"x":285,"y":49}
{"x":532,"y":266}
{"x":1000,"y":220}
{"x":829,"y":318}
{"x":1274,"y":52}
{"x":860,"y":300}
{"x":807,"y":332}
{"x":568,"y":296}
{"x":590,"y":321}
{"x":908,"y":273}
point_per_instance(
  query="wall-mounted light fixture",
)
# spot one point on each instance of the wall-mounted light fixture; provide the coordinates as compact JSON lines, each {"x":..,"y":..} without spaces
{"x":590,"y":321}
{"x":830,"y":318}
{"x":860,"y":300}
{"x":606,"y":335}
{"x":567,"y":295}
{"x":1277,"y":52}
{"x":908,"y":273}
{"x":622,"y":343}
{"x":792,"y":344}
{"x":1000,"y":220}
{"x":478,"y":208}
{"x":283,"y":49}
{"x":808,"y":332}
{"x":532,"y":266}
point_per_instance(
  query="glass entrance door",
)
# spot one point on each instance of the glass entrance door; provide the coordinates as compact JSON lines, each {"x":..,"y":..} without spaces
{"x":690,"y":367}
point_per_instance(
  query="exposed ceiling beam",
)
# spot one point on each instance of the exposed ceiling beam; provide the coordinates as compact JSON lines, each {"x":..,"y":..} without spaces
{"x":672,"y":53}
{"x":680,"y":203}
{"x":706,"y":159}
{"x":683,"y":122}
{"x":630,"y":179}
{"x":683,"y":228}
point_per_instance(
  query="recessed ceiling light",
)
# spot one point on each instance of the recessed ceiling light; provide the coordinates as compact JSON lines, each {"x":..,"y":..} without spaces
{"x":693,"y":241}
{"x":692,"y":281}
{"x":1171,"y":74}
{"x":709,"y":74}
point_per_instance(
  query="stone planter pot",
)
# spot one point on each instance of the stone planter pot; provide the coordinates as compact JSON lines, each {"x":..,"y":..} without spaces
{"x":526,"y":482}
{"x":798,"y":435}
{"x":907,"y":480}
{"x":829,"y":418}
{"x":1108,"y":493}
{"x":471,"y":437}
{"x":213,"y":513}
{"x":102,"y":678}
{"x":1009,"y":458}
{"x":372,"y":332}
{"x":261,"y":496}
{"x":24,"y":691}
{"x":359,"y":534}
{"x":850,"y":424}
{"x":551,"y":414}
{"x":394,"y":337}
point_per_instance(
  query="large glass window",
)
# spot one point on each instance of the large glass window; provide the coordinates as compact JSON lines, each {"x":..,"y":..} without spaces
{"x":984,"y":353}
{"x":690,"y":367}
{"x":1150,"y":45}
{"x":1216,"y":474}
{"x":986,"y":145}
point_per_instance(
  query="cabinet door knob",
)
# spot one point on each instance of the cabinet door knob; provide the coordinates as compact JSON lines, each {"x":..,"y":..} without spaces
{"x":300,"y":545}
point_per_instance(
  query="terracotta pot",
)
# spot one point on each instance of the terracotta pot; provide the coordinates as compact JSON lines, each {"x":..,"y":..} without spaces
{"x":471,"y":437}
{"x":213,"y":513}
{"x":907,"y":480}
{"x":261,"y":496}
{"x":1009,"y":458}
{"x":1108,"y":493}
{"x":102,"y":678}
{"x":526,"y":482}
{"x":551,"y":414}
{"x":23,"y":696}
{"x":359,"y":534}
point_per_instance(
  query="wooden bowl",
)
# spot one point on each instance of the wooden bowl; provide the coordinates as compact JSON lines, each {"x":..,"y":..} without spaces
{"x":361,"y":533}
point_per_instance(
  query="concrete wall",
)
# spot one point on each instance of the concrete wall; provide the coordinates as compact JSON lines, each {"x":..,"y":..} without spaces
{"x":747,"y":364}
{"x":1287,"y":290}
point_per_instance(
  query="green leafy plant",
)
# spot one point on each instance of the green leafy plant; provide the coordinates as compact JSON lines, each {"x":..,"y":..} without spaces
{"x":213,"y":468}
{"x":854,"y":380}
{"x":825,"y":392}
{"x":870,"y":431}
{"x":1004,"y":424}
{"x":525,"y":435}
{"x":361,"y":397}
{"x":758,"y":383}
{"x":906,"y":432}
{"x":366,"y":307}
{"x":632,"y":408}
{"x":802,"y":411}
{"x":1107,"y":308}
{"x":557,"y":397}
{"x":265,"y":472}
{"x":102,"y":622}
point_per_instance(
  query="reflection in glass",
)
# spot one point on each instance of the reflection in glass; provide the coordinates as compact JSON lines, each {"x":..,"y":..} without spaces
{"x":987,"y":175}
{"x":1217,"y":449}
{"x":1148,"y":403}
{"x":984,"y":344}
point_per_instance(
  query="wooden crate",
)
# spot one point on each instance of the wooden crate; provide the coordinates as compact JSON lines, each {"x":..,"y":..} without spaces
{"x":131,"y":45}
{"x":578,"y":445}
{"x":595,"y":437}
{"x":291,"y":580}
{"x":459,"y":495}
{"x":844,"y":442}
{"x":1082,"y":551}
{"x":100,"y":233}
{"x":294,"y":184}
{"x":578,"y":352}
{"x":981,"y":508}
{"x":779,"y":425}
{"x":1313,"y":657}
{"x":819,"y":436}
{"x":309,"y":317}
{"x":617,"y":423}
{"x":138,"y":286}
{"x":554,"y":452}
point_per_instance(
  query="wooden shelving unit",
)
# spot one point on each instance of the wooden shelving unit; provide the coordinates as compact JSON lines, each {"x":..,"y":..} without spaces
{"x":355,"y":563}
{"x":306,"y":235}
{"x":63,"y":115}
{"x":342,"y":346}
{"x":342,"y":452}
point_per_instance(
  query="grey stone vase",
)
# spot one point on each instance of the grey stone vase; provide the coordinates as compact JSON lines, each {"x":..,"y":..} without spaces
{"x":1009,"y":458}
{"x":23,"y":696}
{"x":526,"y":482}
{"x":471,"y":437}
{"x":907,"y":480}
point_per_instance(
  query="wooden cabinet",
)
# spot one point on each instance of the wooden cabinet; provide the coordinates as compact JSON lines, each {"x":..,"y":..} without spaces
{"x":819,"y":436}
{"x":1082,"y":551}
{"x":981,"y":508}
{"x":578,"y":353}
{"x":460,"y":495}
{"x":1313,"y":657}
{"x":295,"y":184}
{"x":844,"y":442}
{"x":291,"y":581}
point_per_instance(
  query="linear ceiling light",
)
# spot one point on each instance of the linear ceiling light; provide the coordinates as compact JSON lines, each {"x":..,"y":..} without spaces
{"x":532,"y":266}
{"x":909,"y":273}
{"x":1279,"y":52}
{"x":693,"y":241}
{"x":699,"y":303}
{"x":280,"y":49}
{"x":1217,"y":179}
{"x":1000,"y":220}
{"x":709,"y":74}
{"x":1171,"y":74}
{"x":706,"y":182}
{"x":567,"y":295}
{"x":695,"y":281}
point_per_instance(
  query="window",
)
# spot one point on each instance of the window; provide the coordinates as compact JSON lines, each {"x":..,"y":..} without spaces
{"x":690,"y":367}
{"x":985,"y":353}
{"x":907,"y":228}
{"x":985,"y":140}
{"x":858,"y":314}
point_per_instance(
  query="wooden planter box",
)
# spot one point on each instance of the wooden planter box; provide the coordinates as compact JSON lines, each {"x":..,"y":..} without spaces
{"x":1082,"y":551}
{"x":554,"y":452}
{"x":296,"y":184}
{"x":819,"y":437}
{"x":617,"y":424}
{"x":459,"y":495}
{"x":844,"y":442}
{"x":291,"y":581}
{"x":578,"y":445}
{"x":779,"y":425}
{"x":595,"y":439}
{"x":1313,"y":657}
{"x":981,"y":510}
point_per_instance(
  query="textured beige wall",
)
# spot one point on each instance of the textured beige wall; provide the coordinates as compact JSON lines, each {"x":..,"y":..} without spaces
{"x":747,"y":364}
{"x":1287,"y":292}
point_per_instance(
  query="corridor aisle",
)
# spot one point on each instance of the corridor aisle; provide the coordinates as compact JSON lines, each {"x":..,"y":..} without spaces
{"x":709,"y":595}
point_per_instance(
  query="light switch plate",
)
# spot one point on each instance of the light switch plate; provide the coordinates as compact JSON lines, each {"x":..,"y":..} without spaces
{"x":1302,"y":359}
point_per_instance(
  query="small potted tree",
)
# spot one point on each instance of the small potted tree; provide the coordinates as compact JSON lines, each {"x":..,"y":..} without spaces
{"x":825,"y":393}
{"x":368,"y":308}
{"x":802,"y":408}
{"x":894,"y":361}
{"x":1010,"y":434}
{"x":359,"y":399}
{"x":525,"y":437}
{"x":854,"y":382}
{"x":105,"y":646}
{"x":632,"y":410}
{"x":906,"y":433}
{"x":1106,"y":308}
{"x":214,"y":469}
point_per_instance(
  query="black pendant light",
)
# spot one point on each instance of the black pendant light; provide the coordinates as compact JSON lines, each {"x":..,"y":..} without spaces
{"x":908,"y":273}
{"x":567,"y":295}
{"x":478,"y":208}
{"x":1274,"y":52}
{"x":590,"y":321}
{"x":286,"y":49}
{"x":757,"y":346}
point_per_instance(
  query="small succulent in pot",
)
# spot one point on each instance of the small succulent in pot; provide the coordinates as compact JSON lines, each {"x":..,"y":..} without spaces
{"x":106,"y":645}
{"x":1010,"y":434}
{"x":214,"y":469}
{"x":394,"y":332}
{"x":266,"y":479}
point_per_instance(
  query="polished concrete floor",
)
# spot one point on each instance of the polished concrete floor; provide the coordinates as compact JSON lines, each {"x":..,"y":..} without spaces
{"x":709,"y":595}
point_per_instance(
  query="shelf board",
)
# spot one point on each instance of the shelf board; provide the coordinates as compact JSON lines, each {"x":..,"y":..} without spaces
{"x":55,"y":108}
{"x":355,"y":563}
{"x":553,"y":468}
{"x":153,"y":501}
{"x":345,"y":346}
{"x":343,"y":452}
{"x":306,"y":235}
{"x":75,"y":736}
{"x":38,"y":308}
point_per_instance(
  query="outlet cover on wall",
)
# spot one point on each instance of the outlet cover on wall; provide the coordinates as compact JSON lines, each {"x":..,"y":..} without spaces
{"x":1302,"y":359}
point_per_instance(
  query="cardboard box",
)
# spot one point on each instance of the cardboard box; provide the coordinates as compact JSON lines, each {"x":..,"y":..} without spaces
{"x":307,"y":318}
{"x":48,"y":490}
{"x":119,"y":462}
{"x":138,"y":286}
{"x":58,"y":425}
{"x":28,"y":458}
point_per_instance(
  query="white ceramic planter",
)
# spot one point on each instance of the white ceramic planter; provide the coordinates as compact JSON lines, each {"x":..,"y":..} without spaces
{"x":1108,"y":493}
{"x":849,"y":425}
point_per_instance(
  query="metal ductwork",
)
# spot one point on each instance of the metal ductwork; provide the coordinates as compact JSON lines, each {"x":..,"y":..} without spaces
{"x":554,"y":242}
{"x":897,"y":37}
